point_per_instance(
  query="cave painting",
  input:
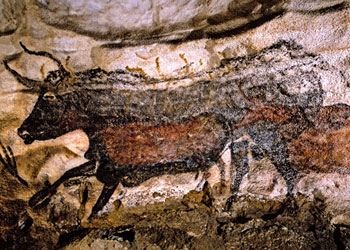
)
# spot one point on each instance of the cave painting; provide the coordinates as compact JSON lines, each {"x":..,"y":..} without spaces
{"x":137,"y":132}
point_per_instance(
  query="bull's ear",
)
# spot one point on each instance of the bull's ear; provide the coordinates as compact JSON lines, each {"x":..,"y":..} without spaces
{"x":49,"y":96}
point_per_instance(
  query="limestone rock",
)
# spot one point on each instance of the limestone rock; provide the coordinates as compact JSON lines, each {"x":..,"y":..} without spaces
{"x":154,"y":20}
{"x":10,"y":16}
{"x":277,"y":71}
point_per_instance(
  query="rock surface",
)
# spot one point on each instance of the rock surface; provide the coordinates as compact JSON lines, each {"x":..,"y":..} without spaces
{"x":154,"y":20}
{"x":291,"y":54}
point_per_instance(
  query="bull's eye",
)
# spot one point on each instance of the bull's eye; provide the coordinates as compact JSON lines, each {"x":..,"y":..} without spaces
{"x":54,"y":77}
{"x":49,"y":96}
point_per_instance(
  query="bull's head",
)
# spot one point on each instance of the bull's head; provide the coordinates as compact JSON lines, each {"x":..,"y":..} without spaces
{"x":46,"y":120}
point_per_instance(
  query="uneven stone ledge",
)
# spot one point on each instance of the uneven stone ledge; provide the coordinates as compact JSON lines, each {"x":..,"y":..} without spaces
{"x":193,"y":222}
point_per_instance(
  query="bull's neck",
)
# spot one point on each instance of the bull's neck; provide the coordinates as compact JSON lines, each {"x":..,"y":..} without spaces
{"x":80,"y":115}
{"x":92,"y":126}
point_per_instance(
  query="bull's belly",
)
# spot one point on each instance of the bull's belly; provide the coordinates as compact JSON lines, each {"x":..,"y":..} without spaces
{"x":131,"y":176}
{"x":136,"y":144}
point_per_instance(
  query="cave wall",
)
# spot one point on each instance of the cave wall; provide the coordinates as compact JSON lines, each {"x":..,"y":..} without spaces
{"x":301,"y":47}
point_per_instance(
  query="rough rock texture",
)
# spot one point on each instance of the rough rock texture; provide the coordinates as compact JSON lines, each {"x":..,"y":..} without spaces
{"x":154,"y":20}
{"x":276,"y":71}
{"x":189,"y":223}
{"x":10,"y":16}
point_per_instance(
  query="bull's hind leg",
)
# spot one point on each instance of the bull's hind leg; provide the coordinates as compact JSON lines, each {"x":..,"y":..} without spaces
{"x":239,"y":158}
{"x":41,"y":198}
{"x":279,"y":157}
{"x":274,"y":146}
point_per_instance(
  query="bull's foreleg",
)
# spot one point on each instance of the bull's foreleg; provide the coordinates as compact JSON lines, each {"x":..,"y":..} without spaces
{"x":202,"y":182}
{"x":42,"y":197}
{"x":108,"y":174}
{"x":105,"y":195}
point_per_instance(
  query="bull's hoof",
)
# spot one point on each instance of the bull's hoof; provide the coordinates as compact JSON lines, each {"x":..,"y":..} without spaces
{"x":24,"y":222}
{"x":93,"y":215}
{"x":229,"y":202}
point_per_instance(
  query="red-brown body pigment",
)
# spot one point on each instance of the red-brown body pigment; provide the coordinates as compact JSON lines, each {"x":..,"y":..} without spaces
{"x":272,"y":114}
{"x":326,"y":146}
{"x":323,"y":147}
{"x":137,"y":144}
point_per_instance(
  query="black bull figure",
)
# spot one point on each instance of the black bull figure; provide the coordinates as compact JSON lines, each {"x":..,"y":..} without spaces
{"x":140,"y":127}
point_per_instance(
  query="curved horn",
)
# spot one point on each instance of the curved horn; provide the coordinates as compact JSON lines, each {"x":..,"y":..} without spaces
{"x":45,"y":54}
{"x":29,"y":83}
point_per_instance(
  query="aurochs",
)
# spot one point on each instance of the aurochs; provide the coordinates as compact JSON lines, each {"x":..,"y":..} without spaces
{"x":137,"y":132}
{"x":123,"y":147}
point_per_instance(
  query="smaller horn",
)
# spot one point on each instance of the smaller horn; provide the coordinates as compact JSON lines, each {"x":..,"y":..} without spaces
{"x":45,"y":54}
{"x":29,"y":83}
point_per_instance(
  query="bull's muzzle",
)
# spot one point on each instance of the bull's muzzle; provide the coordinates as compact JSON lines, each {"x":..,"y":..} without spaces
{"x":25,"y":135}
